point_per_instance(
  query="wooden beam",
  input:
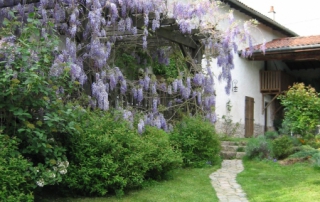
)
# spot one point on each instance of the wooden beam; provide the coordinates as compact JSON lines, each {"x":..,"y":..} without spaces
{"x":276,"y":111}
{"x":289,"y":55}
{"x":273,"y":99}
{"x":176,"y":37}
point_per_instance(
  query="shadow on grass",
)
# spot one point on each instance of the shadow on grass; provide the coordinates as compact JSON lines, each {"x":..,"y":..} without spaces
{"x":187,"y":185}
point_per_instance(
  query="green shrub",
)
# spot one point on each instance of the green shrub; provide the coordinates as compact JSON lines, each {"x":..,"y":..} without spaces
{"x":31,"y":109}
{"x":197,"y":141}
{"x":282,"y":147}
{"x":302,"y":109}
{"x":271,"y":135}
{"x":15,"y":182}
{"x":259,"y":147}
{"x":316,"y":159}
{"x":313,"y":142}
{"x":160,"y":156}
{"x":109,"y":157}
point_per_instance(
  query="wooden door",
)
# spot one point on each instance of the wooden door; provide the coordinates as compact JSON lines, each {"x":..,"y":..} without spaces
{"x":249,"y":116}
{"x":266,"y":117}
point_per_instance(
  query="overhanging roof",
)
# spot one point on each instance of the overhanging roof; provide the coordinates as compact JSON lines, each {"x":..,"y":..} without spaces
{"x":260,"y":17}
{"x":296,"y":52}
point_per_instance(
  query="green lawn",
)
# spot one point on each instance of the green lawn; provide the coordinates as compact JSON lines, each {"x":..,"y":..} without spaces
{"x":269,"y":181}
{"x":187,"y":185}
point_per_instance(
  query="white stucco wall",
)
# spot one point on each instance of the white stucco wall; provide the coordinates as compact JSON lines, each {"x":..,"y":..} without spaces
{"x":247,"y":75}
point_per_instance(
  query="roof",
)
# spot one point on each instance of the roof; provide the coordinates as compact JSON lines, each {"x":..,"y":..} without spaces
{"x":260,"y":17}
{"x":291,"y":42}
{"x":296,"y":52}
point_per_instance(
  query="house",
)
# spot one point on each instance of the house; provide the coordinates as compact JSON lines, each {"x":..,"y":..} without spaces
{"x":253,"y":107}
{"x":297,"y":60}
{"x":250,"y":105}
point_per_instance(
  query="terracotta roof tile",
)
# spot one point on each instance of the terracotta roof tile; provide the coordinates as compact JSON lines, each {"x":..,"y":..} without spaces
{"x":291,"y":42}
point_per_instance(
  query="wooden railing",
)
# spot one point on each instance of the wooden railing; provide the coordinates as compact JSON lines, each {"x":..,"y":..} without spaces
{"x":274,"y":82}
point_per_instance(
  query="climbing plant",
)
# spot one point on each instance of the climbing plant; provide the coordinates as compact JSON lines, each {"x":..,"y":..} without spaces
{"x":92,"y":28}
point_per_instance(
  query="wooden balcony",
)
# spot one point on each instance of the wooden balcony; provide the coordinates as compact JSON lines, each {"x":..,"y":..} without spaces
{"x":274,"y":82}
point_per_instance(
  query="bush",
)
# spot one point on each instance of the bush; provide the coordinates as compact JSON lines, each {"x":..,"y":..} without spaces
{"x":107,"y":156}
{"x":15,"y":182}
{"x":305,"y":151}
{"x":271,"y":135}
{"x":32,"y":108}
{"x":259,"y":147}
{"x":198,"y":142}
{"x":160,"y":156}
{"x":316,"y":159}
{"x":282,"y":147}
{"x":302,"y":109}
{"x":313,"y":142}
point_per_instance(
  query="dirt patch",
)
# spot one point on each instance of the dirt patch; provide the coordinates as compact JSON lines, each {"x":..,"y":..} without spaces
{"x":291,"y":161}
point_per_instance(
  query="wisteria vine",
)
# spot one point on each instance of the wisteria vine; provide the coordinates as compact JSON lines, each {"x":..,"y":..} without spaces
{"x":86,"y":25}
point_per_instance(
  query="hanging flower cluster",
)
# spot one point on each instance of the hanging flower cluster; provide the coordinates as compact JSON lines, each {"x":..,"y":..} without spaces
{"x":87,"y":25}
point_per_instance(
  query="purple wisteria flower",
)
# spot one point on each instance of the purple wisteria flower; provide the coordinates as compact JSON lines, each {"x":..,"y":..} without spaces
{"x":198,"y":79}
{"x":154,"y":88}
{"x":141,"y":126}
{"x":155,"y":105}
{"x":127,"y":115}
{"x":113,"y":81}
{"x":169,"y":89}
{"x":140,"y":95}
{"x":175,"y":85}
{"x":134,"y":93}
{"x":146,"y":82}
{"x":199,"y":98}
{"x":123,"y":87}
{"x":185,"y":92}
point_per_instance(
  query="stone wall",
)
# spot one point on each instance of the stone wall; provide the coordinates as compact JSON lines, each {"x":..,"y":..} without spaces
{"x":258,"y":129}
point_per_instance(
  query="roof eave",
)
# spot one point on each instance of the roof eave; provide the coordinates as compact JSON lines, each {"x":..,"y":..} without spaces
{"x":261,"y":18}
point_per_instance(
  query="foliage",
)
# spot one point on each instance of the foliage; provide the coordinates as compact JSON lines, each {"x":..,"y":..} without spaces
{"x":302,"y":109}
{"x":305,"y":152}
{"x":259,"y":147}
{"x":229,"y":128}
{"x":271,"y":134}
{"x":159,"y":154}
{"x":15,"y":175}
{"x":314,"y":142}
{"x":316,"y":159}
{"x":32,"y":102}
{"x":187,"y":185}
{"x":197,"y":140}
{"x":165,"y":61}
{"x":106,"y":156}
{"x":282,"y":147}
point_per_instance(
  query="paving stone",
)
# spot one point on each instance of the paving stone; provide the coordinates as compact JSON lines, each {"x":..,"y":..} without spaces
{"x":225,"y":184}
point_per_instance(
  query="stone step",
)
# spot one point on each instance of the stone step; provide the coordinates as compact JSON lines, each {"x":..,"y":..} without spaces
{"x":241,"y":143}
{"x":239,"y":155}
{"x":229,"y":148}
{"x":233,"y":148}
{"x":232,"y":155}
{"x":228,"y":155}
{"x":225,"y":143}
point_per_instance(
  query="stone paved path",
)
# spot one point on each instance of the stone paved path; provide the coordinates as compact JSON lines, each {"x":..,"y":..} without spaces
{"x":224,"y":182}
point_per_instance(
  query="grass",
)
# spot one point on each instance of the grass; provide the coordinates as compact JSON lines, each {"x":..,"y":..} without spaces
{"x":268,"y":181}
{"x":187,"y":185}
